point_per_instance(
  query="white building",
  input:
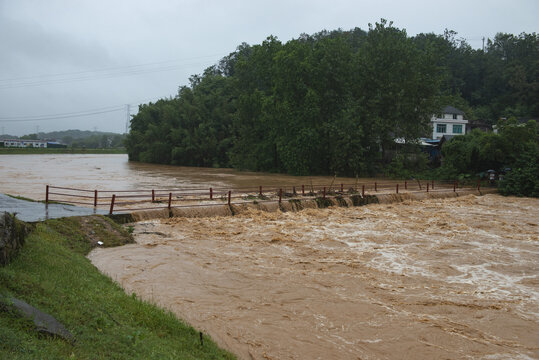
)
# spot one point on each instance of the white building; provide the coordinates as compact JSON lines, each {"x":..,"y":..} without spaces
{"x":25,"y":143}
{"x":450,"y":122}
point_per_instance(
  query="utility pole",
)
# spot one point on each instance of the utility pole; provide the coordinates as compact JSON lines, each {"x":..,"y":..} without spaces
{"x":127,"y":117}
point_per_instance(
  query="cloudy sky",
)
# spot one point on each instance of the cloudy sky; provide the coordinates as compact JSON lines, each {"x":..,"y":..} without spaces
{"x":77,"y":64}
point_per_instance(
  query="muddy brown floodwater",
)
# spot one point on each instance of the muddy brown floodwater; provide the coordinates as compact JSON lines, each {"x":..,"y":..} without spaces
{"x":434,"y":279}
{"x":27,"y":175}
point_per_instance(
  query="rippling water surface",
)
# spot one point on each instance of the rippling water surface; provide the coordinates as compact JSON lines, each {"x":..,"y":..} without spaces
{"x":27,"y":175}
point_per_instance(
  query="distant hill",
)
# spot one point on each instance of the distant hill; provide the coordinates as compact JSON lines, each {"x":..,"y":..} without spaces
{"x":78,"y":138}
{"x":7,"y":136}
{"x":73,"y":134}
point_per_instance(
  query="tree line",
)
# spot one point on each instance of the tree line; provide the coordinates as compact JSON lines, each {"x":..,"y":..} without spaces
{"x":333,"y":102}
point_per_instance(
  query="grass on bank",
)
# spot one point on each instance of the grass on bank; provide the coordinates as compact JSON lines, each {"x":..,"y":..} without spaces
{"x":33,"y":151}
{"x":53,"y":274}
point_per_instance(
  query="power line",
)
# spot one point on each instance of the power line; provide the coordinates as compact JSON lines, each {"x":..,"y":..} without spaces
{"x":75,"y":114}
{"x":103,"y":73}
{"x":100,"y":76}
{"x":109,"y":68}
{"x":58,"y":116}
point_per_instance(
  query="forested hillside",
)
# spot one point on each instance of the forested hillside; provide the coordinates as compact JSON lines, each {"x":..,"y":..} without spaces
{"x":333,"y":102}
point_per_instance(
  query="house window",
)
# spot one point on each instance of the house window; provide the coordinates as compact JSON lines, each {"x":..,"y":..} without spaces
{"x":454,"y":116}
{"x":441,"y":128}
{"x":457,"y":129}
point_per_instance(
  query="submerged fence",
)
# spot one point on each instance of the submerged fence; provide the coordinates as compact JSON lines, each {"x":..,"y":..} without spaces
{"x":154,"y":199}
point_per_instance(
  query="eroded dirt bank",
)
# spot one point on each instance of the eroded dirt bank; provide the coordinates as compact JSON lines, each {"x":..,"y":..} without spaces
{"x":441,"y":278}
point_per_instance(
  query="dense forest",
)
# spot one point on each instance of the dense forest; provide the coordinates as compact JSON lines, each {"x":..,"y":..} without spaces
{"x":333,"y":102}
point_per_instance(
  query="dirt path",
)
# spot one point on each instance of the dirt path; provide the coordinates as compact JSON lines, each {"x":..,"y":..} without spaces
{"x":442,"y":278}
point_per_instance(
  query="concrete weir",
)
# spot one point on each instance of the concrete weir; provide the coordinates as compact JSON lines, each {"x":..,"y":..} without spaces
{"x":287,"y":205}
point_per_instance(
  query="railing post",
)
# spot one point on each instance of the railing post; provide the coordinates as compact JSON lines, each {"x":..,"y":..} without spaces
{"x":260,"y":190}
{"x":153,"y":195}
{"x":405,"y":185}
{"x":169,"y":200}
{"x":95,"y":198}
{"x":454,"y":186}
{"x":427,"y":187}
{"x":324,"y":193}
{"x":112,"y":204}
{"x":280,"y":195}
{"x":342,"y":187}
{"x":229,"y":196}
{"x":397,"y":189}
{"x":375,"y":186}
{"x":294,"y":190}
{"x":302,"y":189}
{"x":432,"y":185}
{"x":363,"y":191}
{"x":211,"y":193}
{"x":47,"y":194}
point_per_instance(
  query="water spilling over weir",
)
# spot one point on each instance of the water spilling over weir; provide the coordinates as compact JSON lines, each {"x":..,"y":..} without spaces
{"x":434,"y":278}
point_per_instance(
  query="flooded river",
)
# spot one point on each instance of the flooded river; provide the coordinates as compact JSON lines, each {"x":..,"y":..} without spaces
{"x":439,"y":278}
{"x":447,"y":278}
{"x":27,"y":175}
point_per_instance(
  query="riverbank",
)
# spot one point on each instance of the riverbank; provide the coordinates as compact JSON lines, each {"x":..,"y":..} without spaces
{"x":37,"y":151}
{"x":52,"y":273}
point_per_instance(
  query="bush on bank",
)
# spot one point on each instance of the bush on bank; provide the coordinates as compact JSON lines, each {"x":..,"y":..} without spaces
{"x":514,"y":152}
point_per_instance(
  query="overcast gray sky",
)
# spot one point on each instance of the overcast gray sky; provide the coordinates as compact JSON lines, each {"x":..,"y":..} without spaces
{"x":60,"y":58}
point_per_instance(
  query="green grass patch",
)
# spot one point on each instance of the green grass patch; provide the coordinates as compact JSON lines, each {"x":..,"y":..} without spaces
{"x":33,"y":151}
{"x":53,"y":274}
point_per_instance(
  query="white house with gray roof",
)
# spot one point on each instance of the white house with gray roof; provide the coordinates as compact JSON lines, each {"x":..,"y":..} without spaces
{"x":450,"y":122}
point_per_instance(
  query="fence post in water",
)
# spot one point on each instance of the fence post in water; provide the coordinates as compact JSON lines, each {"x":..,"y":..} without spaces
{"x":427,"y":187}
{"x":397,"y":189}
{"x":405,"y":185}
{"x":280,"y":195}
{"x":324,"y":193}
{"x":419,"y":183}
{"x":229,"y":196}
{"x":375,"y":186}
{"x":302,"y":189}
{"x":112,"y":204}
{"x":432,"y":185}
{"x":294,"y":190}
{"x":95,"y":198}
{"x":363,"y":191}
{"x":169,"y":200}
{"x":260,"y":190}
{"x":479,"y":185}
{"x":211,"y":193}
{"x":153,"y":195}
{"x":455,"y":186}
{"x":47,"y":194}
{"x":342,"y":187}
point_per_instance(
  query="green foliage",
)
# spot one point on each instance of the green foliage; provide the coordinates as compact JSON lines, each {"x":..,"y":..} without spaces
{"x":333,"y":103}
{"x":523,"y":179}
{"x":516,"y":146}
{"x":319,"y":104}
{"x":407,"y":165}
{"x":52,"y":273}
